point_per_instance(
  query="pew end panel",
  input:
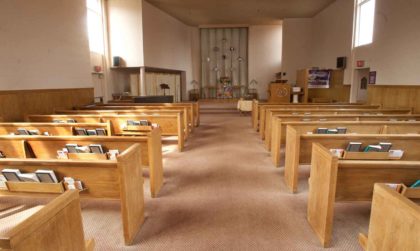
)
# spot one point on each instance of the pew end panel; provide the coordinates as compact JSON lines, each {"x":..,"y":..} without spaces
{"x":56,"y":226}
{"x":132,"y":195}
{"x":400,"y":230}
{"x":321,"y":196}
{"x":155,"y":161}
{"x":291,"y":165}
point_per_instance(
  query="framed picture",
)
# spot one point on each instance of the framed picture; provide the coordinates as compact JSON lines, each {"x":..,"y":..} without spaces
{"x":372,"y":77}
{"x":319,"y":78}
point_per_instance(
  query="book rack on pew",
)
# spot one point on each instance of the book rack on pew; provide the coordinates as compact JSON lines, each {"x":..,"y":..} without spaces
{"x":37,"y":187}
{"x":121,"y":180}
{"x":368,"y":156}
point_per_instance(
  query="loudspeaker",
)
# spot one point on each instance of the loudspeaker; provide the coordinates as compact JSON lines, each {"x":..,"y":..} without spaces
{"x":116,"y":61}
{"x":341,"y":62}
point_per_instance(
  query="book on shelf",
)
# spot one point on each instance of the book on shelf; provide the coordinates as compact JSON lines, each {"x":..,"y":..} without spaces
{"x":80,"y":131}
{"x":82,"y":149}
{"x":28,"y":177}
{"x":71,"y":148}
{"x":100,"y":131}
{"x":11,"y":174}
{"x":58,"y":121}
{"x":341,"y":130}
{"x":96,"y":148}
{"x":386,"y":146}
{"x":33,"y":132}
{"x":354,"y":147}
{"x":91,"y":132}
{"x":332,"y":131}
{"x":71,"y":121}
{"x":321,"y":130}
{"x":22,"y":131}
{"x":46,"y":176}
{"x":2,"y":155}
{"x":373,"y":148}
{"x":416,"y":184}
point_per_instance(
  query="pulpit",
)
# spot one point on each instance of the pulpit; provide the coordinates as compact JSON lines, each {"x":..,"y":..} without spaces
{"x":279,"y":93}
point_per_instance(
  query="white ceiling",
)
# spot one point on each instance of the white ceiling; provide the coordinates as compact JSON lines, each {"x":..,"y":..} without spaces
{"x":214,"y":12}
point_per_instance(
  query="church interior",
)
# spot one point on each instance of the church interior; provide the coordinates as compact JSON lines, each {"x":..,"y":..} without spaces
{"x":209,"y":125}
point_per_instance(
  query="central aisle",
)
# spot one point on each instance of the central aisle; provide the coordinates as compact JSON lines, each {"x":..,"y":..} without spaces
{"x":223,"y":193}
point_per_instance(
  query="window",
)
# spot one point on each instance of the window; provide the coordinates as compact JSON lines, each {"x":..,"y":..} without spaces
{"x":95,"y":26}
{"x":364,"y":22}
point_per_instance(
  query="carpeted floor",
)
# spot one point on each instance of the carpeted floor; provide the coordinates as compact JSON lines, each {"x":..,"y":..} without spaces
{"x":223,"y":193}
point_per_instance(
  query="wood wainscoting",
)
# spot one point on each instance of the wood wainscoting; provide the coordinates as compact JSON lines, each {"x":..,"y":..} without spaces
{"x":395,"y":96}
{"x":338,"y":92}
{"x":14,"y":105}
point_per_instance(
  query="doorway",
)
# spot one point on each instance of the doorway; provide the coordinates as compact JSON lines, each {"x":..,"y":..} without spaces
{"x":362,"y":82}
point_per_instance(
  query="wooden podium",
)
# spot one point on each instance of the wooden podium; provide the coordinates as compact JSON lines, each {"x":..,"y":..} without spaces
{"x":279,"y":93}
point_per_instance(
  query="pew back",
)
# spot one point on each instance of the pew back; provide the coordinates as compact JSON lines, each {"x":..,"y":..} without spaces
{"x":265,"y":126}
{"x":299,"y":148}
{"x":41,"y":147}
{"x":348,"y":180}
{"x":361,"y":127}
{"x":109,"y":179}
{"x":59,"y":129}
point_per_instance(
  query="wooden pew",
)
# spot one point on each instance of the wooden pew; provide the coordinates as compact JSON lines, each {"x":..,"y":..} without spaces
{"x":103,"y":179}
{"x":55,"y":226}
{"x":58,"y":129}
{"x":400,"y":230}
{"x":381,"y":122}
{"x":265,"y":127}
{"x":265,"y":110}
{"x":42,"y":147}
{"x":258,"y":106}
{"x":299,"y":146}
{"x":171,"y":125}
{"x":334,"y":180}
{"x":194,"y":107}
{"x":187,"y":124}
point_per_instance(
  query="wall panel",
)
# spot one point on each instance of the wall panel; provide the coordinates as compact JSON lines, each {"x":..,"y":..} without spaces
{"x":395,"y":96}
{"x":14,"y":105}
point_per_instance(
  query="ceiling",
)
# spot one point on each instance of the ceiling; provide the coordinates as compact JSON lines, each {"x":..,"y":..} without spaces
{"x":217,"y":12}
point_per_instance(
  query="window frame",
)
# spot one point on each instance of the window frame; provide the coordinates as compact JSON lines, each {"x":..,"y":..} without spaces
{"x":358,"y":8}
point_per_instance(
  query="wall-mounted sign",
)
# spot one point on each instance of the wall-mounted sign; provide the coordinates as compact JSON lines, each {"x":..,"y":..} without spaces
{"x":319,"y":79}
{"x":360,"y":63}
{"x":372,"y":77}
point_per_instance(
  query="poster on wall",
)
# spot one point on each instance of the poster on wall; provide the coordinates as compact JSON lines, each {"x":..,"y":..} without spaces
{"x":319,"y":79}
{"x":372,"y":77}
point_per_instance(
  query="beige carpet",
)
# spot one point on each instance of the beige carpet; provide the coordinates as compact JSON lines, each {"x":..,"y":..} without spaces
{"x":223,"y":193}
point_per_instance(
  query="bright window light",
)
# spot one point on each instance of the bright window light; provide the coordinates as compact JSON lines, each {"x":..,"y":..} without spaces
{"x":95,"y":26}
{"x":364,"y":22}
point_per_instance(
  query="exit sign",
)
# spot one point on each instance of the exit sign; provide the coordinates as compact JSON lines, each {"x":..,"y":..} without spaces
{"x":360,"y":63}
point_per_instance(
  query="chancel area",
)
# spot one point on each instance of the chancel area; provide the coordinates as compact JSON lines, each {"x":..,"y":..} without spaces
{"x":209,"y":125}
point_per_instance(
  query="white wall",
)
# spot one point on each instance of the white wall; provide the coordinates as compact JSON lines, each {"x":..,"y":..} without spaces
{"x":395,"y":51}
{"x":331,"y":36}
{"x":265,"y":54}
{"x":44,"y":45}
{"x":297,"y":46}
{"x":167,"y":41}
{"x":126,"y":31}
